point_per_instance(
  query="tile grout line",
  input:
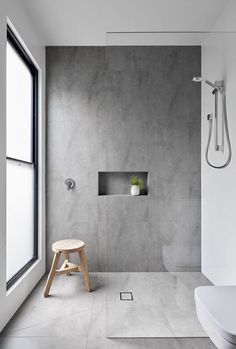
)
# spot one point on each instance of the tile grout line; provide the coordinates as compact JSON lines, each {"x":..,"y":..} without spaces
{"x":90,"y":322}
{"x":46,"y":321}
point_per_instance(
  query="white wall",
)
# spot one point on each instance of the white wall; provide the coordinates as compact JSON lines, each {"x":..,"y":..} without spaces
{"x":85,"y":22}
{"x":219,"y":186}
{"x":11,"y":300}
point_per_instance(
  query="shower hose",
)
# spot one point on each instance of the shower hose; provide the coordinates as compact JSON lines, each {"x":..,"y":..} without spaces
{"x":210,"y":119}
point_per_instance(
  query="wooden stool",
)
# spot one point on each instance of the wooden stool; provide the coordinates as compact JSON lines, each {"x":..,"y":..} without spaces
{"x":66,"y":247}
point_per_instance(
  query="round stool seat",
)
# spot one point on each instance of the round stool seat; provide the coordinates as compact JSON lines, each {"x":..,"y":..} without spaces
{"x":68,"y":245}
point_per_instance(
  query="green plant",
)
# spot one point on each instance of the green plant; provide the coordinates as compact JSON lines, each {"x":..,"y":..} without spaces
{"x":134,"y":180}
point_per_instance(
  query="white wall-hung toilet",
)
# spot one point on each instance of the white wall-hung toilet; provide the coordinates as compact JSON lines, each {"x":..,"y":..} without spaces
{"x":216,"y":311}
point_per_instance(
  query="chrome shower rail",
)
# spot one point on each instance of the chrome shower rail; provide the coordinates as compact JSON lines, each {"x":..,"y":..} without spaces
{"x":218,"y":88}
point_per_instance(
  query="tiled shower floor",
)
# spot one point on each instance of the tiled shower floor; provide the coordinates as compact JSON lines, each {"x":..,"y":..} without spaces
{"x":162,"y":306}
{"x":74,"y":318}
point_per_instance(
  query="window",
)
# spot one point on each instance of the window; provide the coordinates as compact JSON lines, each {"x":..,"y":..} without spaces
{"x":22,"y":160}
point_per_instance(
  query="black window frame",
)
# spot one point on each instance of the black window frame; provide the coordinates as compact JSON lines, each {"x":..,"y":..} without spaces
{"x":13,"y":40}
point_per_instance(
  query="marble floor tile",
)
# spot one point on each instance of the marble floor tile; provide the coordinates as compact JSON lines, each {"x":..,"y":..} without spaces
{"x":73,"y":325}
{"x":163,"y":306}
{"x":97,"y":337}
{"x":178,"y":343}
{"x":42,"y":343}
{"x":143,"y":285}
{"x":100,"y":287}
{"x":131,"y":321}
{"x":184,"y":324}
{"x":163,"y":299}
{"x":103,"y":343}
{"x":68,"y":296}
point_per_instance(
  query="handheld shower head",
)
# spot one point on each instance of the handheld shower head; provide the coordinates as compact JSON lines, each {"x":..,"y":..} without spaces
{"x":198,"y":79}
{"x":217,"y":86}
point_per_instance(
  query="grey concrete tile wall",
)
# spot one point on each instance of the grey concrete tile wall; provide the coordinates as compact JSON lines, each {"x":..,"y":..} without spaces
{"x":125,"y":109}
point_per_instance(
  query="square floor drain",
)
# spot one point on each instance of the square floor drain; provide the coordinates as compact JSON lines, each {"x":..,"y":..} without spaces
{"x":126,"y":296}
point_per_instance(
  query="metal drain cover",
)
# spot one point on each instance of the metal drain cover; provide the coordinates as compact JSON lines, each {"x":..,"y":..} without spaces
{"x":126,"y":296}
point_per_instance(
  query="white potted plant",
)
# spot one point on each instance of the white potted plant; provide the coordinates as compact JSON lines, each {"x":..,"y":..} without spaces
{"x":136,"y":185}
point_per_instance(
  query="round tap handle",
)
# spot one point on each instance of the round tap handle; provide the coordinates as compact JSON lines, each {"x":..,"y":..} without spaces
{"x":70,"y":183}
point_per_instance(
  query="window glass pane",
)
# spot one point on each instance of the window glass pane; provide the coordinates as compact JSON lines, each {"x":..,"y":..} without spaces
{"x":19,"y":107}
{"x":20,"y":216}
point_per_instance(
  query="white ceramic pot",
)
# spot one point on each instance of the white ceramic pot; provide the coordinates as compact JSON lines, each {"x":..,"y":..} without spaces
{"x":135,"y":190}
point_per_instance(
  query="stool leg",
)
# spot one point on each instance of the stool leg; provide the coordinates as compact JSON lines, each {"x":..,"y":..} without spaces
{"x":84,"y":267}
{"x":66,"y":254}
{"x":51,"y":274}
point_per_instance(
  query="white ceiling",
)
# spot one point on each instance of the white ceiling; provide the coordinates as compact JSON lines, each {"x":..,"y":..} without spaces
{"x":85,"y":22}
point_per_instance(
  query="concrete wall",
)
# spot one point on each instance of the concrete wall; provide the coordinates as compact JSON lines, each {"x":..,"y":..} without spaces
{"x":218,"y":186}
{"x":13,"y":12}
{"x":125,"y":109}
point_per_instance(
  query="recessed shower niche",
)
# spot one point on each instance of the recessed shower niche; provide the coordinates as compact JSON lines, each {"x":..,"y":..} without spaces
{"x":118,"y":183}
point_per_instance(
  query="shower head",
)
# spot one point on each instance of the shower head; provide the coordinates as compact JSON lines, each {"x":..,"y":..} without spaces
{"x":198,"y":79}
{"x":217,"y":86}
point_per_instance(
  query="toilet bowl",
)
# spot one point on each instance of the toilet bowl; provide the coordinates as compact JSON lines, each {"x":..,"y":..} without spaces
{"x":216,"y":311}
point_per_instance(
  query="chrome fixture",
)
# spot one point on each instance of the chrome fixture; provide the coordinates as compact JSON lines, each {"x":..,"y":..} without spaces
{"x":218,"y":84}
{"x":70,"y":183}
{"x":218,"y":88}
